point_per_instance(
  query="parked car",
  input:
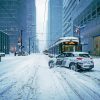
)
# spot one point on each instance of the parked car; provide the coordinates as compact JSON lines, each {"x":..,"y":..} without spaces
{"x":22,"y":53}
{"x":2,"y":54}
{"x":73,"y":60}
{"x":45,"y":52}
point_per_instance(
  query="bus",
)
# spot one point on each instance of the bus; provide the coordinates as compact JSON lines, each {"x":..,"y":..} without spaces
{"x":65,"y":44}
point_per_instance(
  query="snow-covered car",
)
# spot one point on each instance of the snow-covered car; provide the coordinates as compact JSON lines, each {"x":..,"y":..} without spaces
{"x":2,"y":54}
{"x":73,"y":60}
{"x":22,"y":53}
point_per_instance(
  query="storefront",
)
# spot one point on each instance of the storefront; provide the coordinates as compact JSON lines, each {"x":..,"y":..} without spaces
{"x":97,"y":46}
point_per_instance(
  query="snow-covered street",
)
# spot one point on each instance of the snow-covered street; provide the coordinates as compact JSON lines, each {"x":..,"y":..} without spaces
{"x":29,"y":78}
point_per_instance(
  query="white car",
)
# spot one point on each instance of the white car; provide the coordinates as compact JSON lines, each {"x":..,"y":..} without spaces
{"x":73,"y":60}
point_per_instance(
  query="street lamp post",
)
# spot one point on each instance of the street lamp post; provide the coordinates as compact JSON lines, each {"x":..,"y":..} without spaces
{"x":30,"y":44}
{"x":30,"y":39}
{"x":20,"y":41}
{"x":77,"y":30}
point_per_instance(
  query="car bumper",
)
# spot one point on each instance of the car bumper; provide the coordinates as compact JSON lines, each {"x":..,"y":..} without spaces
{"x":85,"y":67}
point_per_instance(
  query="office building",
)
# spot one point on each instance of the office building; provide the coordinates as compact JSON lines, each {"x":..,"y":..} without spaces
{"x":54,"y":21}
{"x":18,"y":16}
{"x":4,"y":43}
{"x":84,"y":15}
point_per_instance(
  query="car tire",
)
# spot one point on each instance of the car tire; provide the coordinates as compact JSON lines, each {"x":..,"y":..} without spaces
{"x":73,"y":67}
{"x":90,"y":69}
{"x":51,"y":64}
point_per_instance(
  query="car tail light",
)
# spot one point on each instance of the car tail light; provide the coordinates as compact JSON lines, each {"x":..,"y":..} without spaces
{"x":79,"y":58}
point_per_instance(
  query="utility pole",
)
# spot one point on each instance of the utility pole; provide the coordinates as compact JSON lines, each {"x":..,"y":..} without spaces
{"x":78,"y":32}
{"x":34,"y":49}
{"x":29,"y":45}
{"x":21,"y":40}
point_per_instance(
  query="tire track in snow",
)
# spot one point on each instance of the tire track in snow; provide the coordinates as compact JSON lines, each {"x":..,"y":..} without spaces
{"x":3,"y":79}
{"x":11,"y":67}
{"x":66,"y":85}
{"x":92,"y":77}
{"x":29,"y":89}
{"x":55,"y":84}
{"x":13,"y":76}
{"x":89,"y":90}
{"x":7,"y":88}
{"x":31,"y":80}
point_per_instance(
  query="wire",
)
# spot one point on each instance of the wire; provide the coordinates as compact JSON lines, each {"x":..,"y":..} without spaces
{"x":44,"y":14}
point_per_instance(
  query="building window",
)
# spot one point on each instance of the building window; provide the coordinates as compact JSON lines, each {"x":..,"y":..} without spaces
{"x":85,"y":20}
{"x":89,"y":17}
{"x":98,"y":11}
{"x":82,"y":23}
{"x":94,"y":14}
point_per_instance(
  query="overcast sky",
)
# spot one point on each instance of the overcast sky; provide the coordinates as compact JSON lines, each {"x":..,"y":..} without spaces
{"x":41,"y":25}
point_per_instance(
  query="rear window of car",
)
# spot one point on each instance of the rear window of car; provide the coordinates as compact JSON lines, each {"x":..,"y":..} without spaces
{"x":84,"y":55}
{"x":69,"y":55}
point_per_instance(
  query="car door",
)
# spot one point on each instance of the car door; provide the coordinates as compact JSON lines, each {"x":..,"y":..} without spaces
{"x":59,"y":59}
{"x":67,"y":59}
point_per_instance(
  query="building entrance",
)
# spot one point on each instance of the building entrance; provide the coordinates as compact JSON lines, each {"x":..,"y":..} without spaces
{"x":97,"y":46}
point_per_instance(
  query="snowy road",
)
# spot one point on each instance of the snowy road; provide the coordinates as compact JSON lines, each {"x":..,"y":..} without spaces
{"x":29,"y":78}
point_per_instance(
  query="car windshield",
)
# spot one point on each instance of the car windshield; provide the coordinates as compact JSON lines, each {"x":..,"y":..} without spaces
{"x":84,"y":55}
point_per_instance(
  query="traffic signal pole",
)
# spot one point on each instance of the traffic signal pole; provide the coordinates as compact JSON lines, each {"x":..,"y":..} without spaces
{"x":21,"y":40}
{"x":29,"y":45}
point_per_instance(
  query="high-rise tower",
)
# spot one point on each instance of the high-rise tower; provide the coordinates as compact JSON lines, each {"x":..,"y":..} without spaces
{"x":18,"y":16}
{"x":54,"y":21}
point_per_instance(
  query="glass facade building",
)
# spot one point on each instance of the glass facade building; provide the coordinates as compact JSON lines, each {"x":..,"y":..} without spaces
{"x":4,"y":43}
{"x":17,"y":15}
{"x":86,"y":15}
{"x":54,"y":21}
{"x":68,"y":7}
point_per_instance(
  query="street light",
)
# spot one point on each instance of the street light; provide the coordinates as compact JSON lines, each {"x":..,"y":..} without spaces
{"x":30,"y":43}
{"x":77,"y":30}
{"x":20,"y":39}
{"x":33,"y":25}
{"x":20,"y":43}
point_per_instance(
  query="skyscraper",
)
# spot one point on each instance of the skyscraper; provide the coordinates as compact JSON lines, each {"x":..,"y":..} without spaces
{"x":85,"y":15}
{"x":18,"y":16}
{"x":54,"y":21}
